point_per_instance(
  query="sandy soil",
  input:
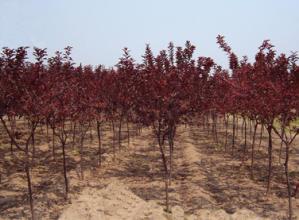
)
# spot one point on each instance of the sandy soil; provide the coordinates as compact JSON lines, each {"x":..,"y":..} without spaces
{"x":116,"y":202}
{"x":206,"y":180}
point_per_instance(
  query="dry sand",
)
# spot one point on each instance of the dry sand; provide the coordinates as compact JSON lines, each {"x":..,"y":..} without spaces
{"x":117,"y":202}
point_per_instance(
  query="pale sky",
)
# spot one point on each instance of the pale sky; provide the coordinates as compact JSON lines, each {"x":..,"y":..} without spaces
{"x":99,"y":29}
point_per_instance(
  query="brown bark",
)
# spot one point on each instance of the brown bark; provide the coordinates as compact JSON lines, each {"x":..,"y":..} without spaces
{"x":53,"y":143}
{"x":100,"y":143}
{"x":252,"y":149}
{"x":234,"y":133}
{"x":113,"y":140}
{"x":286,"y":169}
{"x":226,"y":132}
{"x":27,"y":170}
{"x":65,"y":171}
{"x":128,"y":133}
{"x":269,"y":129}
{"x":119,"y":133}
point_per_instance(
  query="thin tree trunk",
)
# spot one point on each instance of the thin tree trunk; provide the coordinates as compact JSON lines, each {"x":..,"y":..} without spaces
{"x":41,"y":128}
{"x":65,"y":171}
{"x":119,"y":133}
{"x":281,"y":144}
{"x":208,"y":124}
{"x":11,"y":147}
{"x":74,"y":135}
{"x":100,"y":143}
{"x":53,"y":144}
{"x":166,"y":192}
{"x":12,"y":127}
{"x":27,"y":170}
{"x":90,"y":132}
{"x":166,"y":175}
{"x":252,"y":149}
{"x":269,"y":129}
{"x":250,"y":127}
{"x":171,"y":148}
{"x":47,"y":132}
{"x":261,"y":135}
{"x":29,"y":185}
{"x":234,"y":132}
{"x":33,"y":147}
{"x":245,"y":136}
{"x":159,"y":135}
{"x":81,"y":151}
{"x":242,"y":127}
{"x":286,"y":166}
{"x":215,"y":128}
{"x":113,"y":140}
{"x":226,"y":132}
{"x":237,"y":125}
{"x":128,"y":131}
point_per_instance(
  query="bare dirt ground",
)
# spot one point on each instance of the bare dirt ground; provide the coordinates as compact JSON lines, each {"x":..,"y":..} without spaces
{"x":116,"y":201}
{"x":205,"y":179}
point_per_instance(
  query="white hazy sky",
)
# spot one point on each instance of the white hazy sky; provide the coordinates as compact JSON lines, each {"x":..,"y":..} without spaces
{"x":99,"y":29}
